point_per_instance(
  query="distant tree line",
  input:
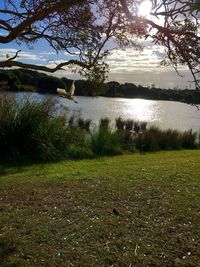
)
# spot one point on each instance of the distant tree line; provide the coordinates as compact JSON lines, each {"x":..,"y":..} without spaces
{"x":130,"y":90}
{"x":27,"y":80}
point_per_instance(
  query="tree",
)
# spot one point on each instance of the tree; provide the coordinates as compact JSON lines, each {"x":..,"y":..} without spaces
{"x":10,"y":80}
{"x":50,"y":84}
{"x":84,"y":27}
{"x":177,"y":30}
{"x":72,"y":26}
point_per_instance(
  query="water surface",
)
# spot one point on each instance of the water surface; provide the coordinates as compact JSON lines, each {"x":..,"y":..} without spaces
{"x":165,"y":114}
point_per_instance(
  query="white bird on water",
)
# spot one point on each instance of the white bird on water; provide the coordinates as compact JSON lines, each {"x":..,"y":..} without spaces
{"x":69,"y":95}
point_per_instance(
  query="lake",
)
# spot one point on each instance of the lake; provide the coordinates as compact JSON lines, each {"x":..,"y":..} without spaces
{"x":165,"y":114}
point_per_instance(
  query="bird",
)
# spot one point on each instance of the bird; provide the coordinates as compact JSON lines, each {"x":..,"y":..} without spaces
{"x":69,"y":95}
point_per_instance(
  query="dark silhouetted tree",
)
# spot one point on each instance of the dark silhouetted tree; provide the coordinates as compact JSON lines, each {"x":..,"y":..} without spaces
{"x":84,"y":27}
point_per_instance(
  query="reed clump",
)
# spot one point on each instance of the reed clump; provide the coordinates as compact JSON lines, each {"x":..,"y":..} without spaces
{"x":33,"y":129}
{"x":29,"y":128}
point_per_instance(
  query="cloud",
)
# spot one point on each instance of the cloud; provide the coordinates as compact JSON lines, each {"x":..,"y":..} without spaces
{"x":29,"y":56}
{"x":168,"y":78}
{"x":75,"y":53}
{"x":132,"y":60}
{"x":126,"y":65}
{"x":144,"y":67}
{"x":46,"y":53}
{"x":6,"y":53}
{"x":160,"y":55}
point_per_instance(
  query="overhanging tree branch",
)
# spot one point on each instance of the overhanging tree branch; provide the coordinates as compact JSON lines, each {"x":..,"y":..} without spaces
{"x":179,"y":35}
{"x":74,"y":25}
{"x":9,"y":63}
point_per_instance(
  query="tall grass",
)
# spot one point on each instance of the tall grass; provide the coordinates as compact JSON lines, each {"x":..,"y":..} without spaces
{"x":155,"y":139}
{"x":29,"y":129}
{"x":34,"y":130}
{"x":84,"y":124}
{"x":79,"y":135}
{"x":188,"y":140}
{"x":106,"y":141}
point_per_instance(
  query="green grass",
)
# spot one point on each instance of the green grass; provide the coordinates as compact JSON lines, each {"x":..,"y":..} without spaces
{"x":129,"y":210}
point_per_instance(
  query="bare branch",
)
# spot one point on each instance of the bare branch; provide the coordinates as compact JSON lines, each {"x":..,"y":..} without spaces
{"x":74,"y":26}
{"x":179,"y":34}
{"x":8,"y":64}
{"x":15,"y":56}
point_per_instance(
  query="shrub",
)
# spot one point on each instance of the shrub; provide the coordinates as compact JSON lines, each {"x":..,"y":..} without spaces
{"x":188,"y":140}
{"x":49,"y":84}
{"x":129,"y":125}
{"x":198,"y":142}
{"x":143,"y":125}
{"x":52,"y":139}
{"x":78,"y":130}
{"x":137,"y":127}
{"x":79,"y":152}
{"x":148,"y":141}
{"x":170,"y":139}
{"x":29,"y":129}
{"x":33,"y":129}
{"x":84,"y":124}
{"x":105,"y":142}
{"x":154,"y":139}
{"x":120,"y":123}
{"x":104,"y":124}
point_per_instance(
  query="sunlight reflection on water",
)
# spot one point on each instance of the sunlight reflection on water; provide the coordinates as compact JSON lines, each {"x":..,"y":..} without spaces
{"x":139,"y":109}
{"x":165,"y":114}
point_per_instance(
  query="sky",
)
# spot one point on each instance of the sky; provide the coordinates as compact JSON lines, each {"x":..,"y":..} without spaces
{"x":125,"y":65}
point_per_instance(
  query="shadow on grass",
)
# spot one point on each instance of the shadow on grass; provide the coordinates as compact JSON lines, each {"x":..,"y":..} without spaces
{"x":13,"y":165}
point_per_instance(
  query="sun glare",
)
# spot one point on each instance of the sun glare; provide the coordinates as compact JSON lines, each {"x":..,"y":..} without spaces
{"x":145,"y":8}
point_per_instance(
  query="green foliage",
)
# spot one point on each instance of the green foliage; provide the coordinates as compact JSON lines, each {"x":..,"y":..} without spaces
{"x":105,"y":141}
{"x":52,"y":139}
{"x":27,"y":80}
{"x":11,"y":78}
{"x":120,"y":123}
{"x":129,"y":125}
{"x":130,"y":90}
{"x":104,"y":124}
{"x":79,"y":152}
{"x":90,"y":88}
{"x":188,"y":140}
{"x":50,"y":84}
{"x":129,"y":129}
{"x":26,"y":88}
{"x":154,"y":139}
{"x":77,"y":130}
{"x":30,"y":129}
{"x":147,"y":141}
{"x":84,"y":124}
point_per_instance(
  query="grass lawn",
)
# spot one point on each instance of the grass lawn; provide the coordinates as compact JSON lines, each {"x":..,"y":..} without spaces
{"x":130,"y":210}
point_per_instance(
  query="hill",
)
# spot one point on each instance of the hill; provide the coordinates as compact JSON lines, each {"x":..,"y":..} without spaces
{"x":27,"y":80}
